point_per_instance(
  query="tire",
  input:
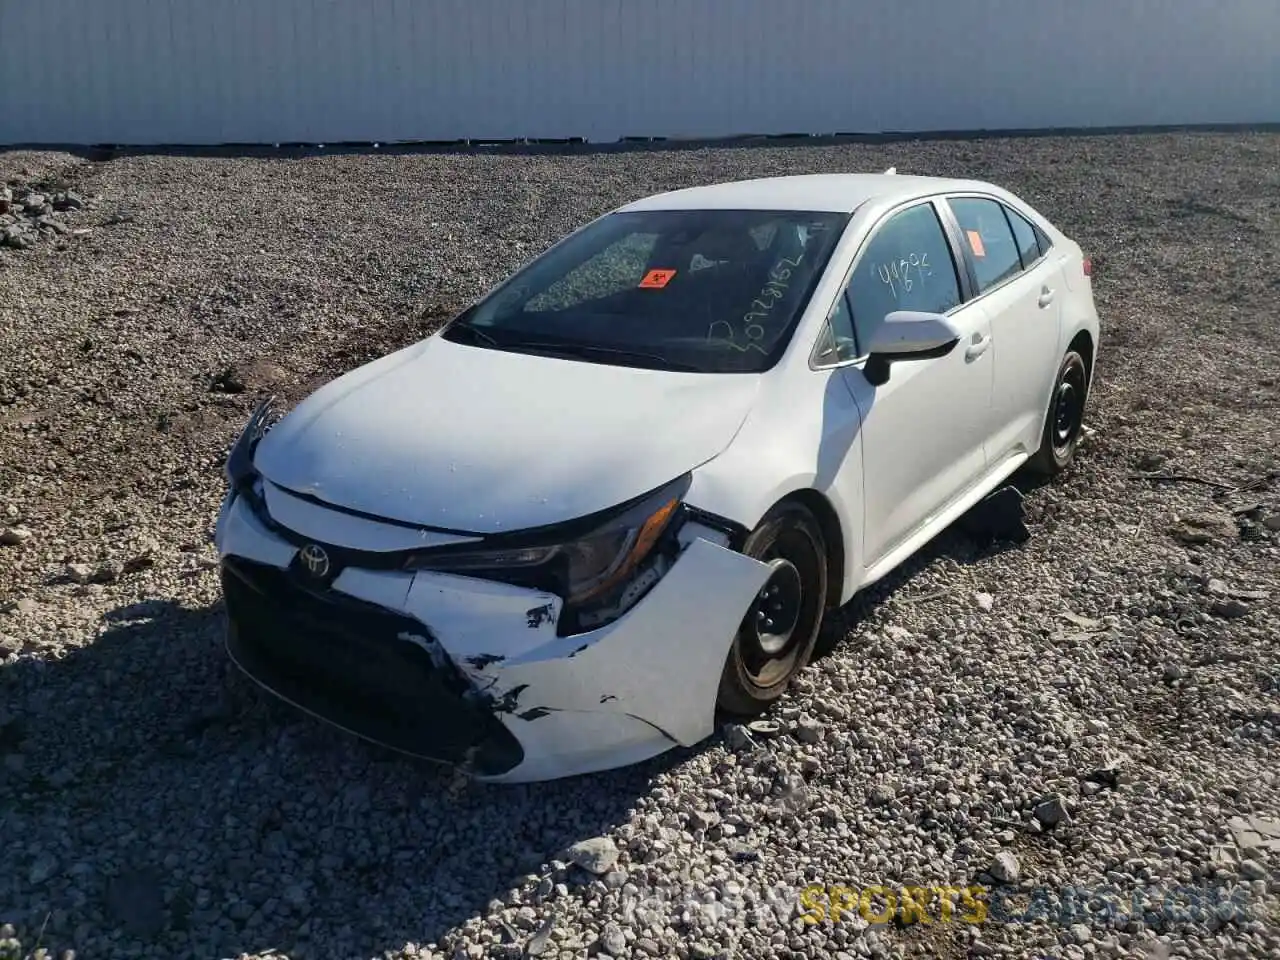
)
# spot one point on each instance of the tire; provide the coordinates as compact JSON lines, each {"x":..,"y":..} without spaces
{"x":1064,"y":419}
{"x":764,"y":657}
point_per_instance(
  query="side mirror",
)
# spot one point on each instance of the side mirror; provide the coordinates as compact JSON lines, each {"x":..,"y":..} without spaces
{"x":907,"y":335}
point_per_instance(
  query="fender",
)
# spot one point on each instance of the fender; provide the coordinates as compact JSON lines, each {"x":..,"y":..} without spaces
{"x":771,"y":458}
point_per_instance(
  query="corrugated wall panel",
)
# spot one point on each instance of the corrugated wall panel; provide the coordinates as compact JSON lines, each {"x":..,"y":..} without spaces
{"x":209,"y":71}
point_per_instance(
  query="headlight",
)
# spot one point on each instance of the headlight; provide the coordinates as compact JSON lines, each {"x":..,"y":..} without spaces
{"x":586,"y":566}
{"x":239,"y":468}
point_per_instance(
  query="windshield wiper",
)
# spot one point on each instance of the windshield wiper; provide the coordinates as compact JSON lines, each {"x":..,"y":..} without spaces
{"x":474,"y":332}
{"x":588,"y":350}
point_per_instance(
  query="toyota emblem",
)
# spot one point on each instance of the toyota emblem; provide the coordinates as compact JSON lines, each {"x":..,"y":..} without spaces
{"x":315,"y":560}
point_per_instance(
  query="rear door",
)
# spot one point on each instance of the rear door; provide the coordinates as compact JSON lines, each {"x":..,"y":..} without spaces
{"x":1019,"y":287}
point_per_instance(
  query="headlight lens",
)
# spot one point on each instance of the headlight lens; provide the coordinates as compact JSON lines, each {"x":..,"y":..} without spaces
{"x":587,"y":566}
{"x":239,"y":467}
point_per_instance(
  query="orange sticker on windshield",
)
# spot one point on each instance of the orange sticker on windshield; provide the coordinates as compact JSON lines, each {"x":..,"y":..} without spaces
{"x":975,"y":243}
{"x":657,"y":279}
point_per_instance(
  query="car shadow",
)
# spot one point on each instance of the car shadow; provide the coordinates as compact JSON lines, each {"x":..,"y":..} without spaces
{"x":969,"y":541}
{"x":166,"y":801}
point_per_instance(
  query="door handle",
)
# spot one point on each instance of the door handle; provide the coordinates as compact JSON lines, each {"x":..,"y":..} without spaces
{"x":1046,"y":296}
{"x":978,"y":345}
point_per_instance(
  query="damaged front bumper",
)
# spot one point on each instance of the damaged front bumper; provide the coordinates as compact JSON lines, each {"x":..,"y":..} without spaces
{"x":472,"y":672}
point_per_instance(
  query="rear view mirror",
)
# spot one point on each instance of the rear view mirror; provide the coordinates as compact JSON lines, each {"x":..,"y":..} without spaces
{"x":907,"y":335}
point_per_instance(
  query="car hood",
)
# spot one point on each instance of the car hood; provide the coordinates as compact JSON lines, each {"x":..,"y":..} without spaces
{"x":483,"y":441}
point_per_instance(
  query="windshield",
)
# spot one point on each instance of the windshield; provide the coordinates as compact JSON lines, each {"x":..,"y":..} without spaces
{"x":716,"y":291}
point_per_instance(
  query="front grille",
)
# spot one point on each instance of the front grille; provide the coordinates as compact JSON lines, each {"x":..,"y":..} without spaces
{"x":344,"y":660}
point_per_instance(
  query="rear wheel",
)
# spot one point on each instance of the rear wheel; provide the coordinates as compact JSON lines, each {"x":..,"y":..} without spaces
{"x":777,"y":634}
{"x":1064,"y":419}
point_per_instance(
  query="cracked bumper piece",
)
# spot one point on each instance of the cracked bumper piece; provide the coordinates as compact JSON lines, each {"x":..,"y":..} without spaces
{"x":471,"y":672}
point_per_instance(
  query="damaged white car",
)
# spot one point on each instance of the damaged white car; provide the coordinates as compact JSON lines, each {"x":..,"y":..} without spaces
{"x":617,"y":494}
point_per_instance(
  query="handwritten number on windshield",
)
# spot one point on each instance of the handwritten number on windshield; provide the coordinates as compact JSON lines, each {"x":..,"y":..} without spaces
{"x":752,"y":327}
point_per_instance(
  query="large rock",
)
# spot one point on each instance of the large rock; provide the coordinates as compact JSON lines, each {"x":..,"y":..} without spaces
{"x":1005,"y":867}
{"x":597,"y":855}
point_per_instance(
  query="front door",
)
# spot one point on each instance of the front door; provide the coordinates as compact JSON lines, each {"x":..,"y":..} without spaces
{"x":923,"y":431}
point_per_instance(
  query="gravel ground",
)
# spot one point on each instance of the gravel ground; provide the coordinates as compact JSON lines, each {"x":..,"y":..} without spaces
{"x":1093,"y":707}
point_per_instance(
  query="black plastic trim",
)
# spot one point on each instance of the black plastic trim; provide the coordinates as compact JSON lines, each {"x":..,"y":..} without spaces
{"x":346,"y":662}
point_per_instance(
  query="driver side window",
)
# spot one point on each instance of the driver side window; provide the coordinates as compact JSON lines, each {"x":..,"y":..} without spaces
{"x":907,"y":265}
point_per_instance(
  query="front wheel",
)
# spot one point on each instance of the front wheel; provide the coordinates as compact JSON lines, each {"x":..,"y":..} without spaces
{"x":778,"y":632}
{"x":1064,"y":420}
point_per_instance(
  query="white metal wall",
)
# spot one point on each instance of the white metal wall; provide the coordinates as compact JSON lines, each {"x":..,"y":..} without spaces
{"x":209,"y":71}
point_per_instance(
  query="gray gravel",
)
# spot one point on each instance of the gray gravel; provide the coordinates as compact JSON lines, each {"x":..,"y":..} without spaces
{"x":1096,"y":706}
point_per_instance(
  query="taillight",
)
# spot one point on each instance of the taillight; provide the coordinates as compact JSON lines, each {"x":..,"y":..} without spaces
{"x":1088,"y":267}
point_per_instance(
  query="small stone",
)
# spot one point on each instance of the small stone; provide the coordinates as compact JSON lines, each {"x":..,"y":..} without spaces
{"x":1216,"y":586}
{"x":985,"y":601}
{"x":1081,"y":933}
{"x":540,"y":942}
{"x":1174,"y":672}
{"x":79,"y":572}
{"x":808,"y":730}
{"x":108,"y":572}
{"x":1151,"y":461}
{"x":1005,"y":867}
{"x":13,"y":536}
{"x":42,"y":869}
{"x":1052,"y":812}
{"x":703,"y":819}
{"x":597,"y":855}
{"x":741,"y":851}
{"x":1231,"y":609}
{"x":68,"y":201}
{"x":1272,"y":523}
{"x":1095,"y":726}
{"x":1253,"y":870}
{"x":880,"y":795}
{"x":613,"y":940}
{"x":615,"y":879}
{"x":1205,"y":527}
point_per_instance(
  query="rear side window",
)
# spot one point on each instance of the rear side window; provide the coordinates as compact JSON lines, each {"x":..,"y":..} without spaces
{"x":1024,"y":234}
{"x":988,"y":238}
{"x":906,"y":265}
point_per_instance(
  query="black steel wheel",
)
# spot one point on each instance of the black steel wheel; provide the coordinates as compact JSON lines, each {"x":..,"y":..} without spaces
{"x":1064,"y":420}
{"x":776,"y":637}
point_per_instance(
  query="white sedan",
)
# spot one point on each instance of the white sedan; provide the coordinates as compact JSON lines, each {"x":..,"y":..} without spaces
{"x":613,"y":499}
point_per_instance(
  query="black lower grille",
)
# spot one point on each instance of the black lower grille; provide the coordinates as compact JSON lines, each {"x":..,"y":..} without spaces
{"x":345,"y":660}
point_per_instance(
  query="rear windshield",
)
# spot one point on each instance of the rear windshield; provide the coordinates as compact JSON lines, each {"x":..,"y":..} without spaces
{"x":716,"y":291}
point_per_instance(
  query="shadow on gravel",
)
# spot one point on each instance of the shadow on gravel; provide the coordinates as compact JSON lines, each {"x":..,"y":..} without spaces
{"x":159,"y":798}
{"x":991,"y":528}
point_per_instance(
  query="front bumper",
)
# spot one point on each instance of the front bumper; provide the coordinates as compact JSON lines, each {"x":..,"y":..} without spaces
{"x":471,"y":672}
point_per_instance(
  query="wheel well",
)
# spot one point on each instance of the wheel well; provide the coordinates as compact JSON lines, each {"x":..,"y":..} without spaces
{"x":1082,"y":342}
{"x":832,"y":536}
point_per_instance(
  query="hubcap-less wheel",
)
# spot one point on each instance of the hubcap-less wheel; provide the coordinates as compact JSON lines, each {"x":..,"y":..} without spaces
{"x":776,"y":636}
{"x":1064,"y":418}
{"x":1068,"y":407}
{"x":777,"y":608}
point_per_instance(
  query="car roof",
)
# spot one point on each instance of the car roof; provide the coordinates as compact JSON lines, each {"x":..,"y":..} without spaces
{"x":825,"y":192}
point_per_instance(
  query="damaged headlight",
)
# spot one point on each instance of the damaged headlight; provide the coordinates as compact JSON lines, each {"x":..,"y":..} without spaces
{"x":239,"y":467}
{"x":581,"y":562}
